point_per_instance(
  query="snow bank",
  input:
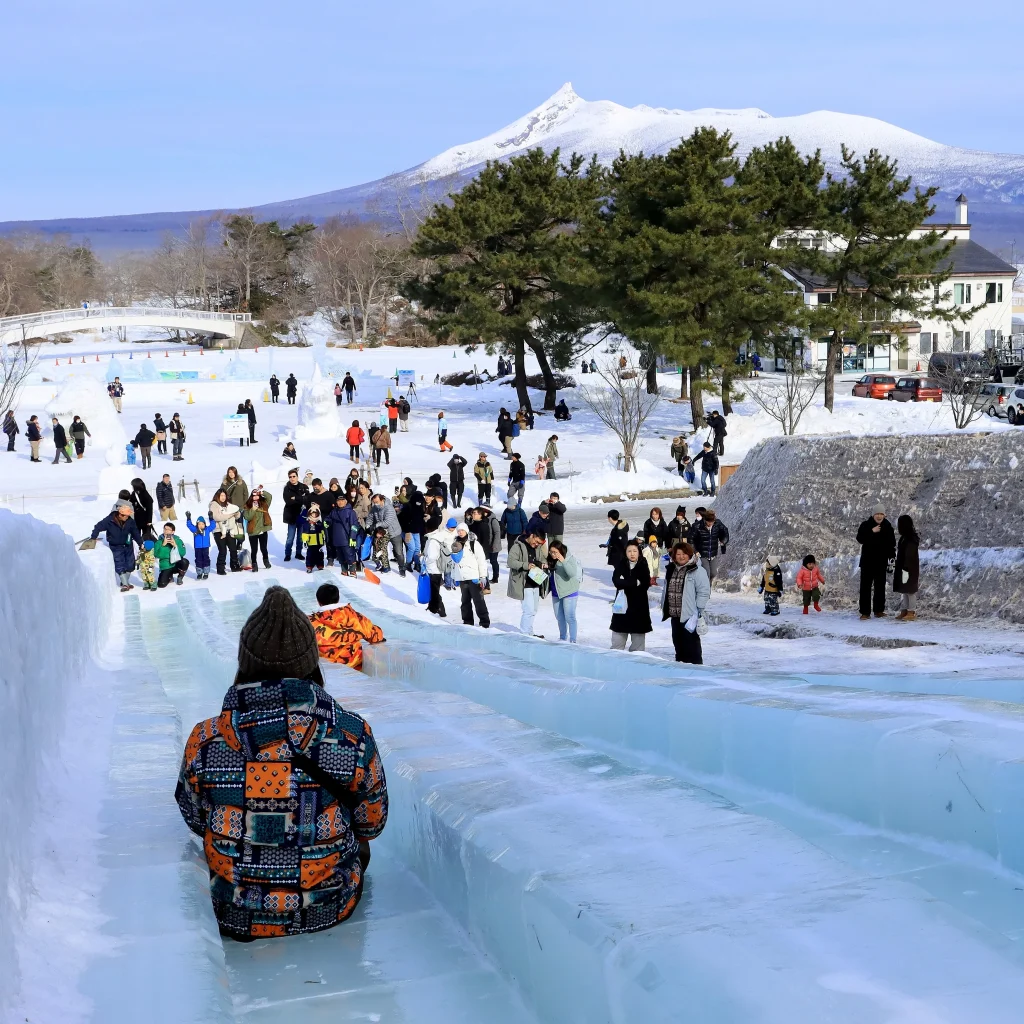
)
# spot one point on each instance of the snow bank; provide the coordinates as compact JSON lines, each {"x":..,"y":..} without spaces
{"x":50,"y":607}
{"x":87,"y":397}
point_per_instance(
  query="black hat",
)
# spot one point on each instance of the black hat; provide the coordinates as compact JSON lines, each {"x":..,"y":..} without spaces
{"x":277,"y":640}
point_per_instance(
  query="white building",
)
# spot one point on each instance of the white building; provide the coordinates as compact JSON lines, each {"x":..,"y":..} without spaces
{"x":977,"y":278}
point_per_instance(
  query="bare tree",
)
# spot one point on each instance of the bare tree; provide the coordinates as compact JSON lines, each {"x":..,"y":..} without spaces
{"x":788,"y":397}
{"x":16,"y":363}
{"x":961,"y":381}
{"x":19,"y":263}
{"x":621,"y":402}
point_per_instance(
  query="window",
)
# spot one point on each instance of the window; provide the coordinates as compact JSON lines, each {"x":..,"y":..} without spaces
{"x":999,"y":292}
{"x":824,"y":298}
{"x":990,"y":293}
{"x":961,"y":294}
{"x":926,"y":343}
{"x":990,"y":339}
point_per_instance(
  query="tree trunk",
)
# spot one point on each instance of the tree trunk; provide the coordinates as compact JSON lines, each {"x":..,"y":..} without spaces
{"x":696,"y":399}
{"x":550,"y":391}
{"x":351,"y":314}
{"x":684,"y":378}
{"x":520,"y":378}
{"x":835,"y":351}
{"x":652,"y":375}
{"x":727,"y":393}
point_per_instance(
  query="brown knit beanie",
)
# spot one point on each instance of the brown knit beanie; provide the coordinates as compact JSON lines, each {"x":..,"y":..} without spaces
{"x":277,"y":640}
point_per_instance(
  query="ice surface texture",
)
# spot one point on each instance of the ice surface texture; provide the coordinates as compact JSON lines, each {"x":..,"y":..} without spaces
{"x":48,"y":616}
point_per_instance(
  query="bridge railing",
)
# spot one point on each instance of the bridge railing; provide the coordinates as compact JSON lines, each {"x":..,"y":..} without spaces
{"x":53,"y":316}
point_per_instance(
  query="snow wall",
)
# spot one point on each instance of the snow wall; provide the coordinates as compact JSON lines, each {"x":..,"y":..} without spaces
{"x":87,"y":397}
{"x":808,"y":495}
{"x":50,"y":608}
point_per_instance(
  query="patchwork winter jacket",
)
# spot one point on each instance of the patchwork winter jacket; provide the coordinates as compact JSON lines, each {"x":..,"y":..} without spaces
{"x":282,"y":850}
{"x":340,"y":632}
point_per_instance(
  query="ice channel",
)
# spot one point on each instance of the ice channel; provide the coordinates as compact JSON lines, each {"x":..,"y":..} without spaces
{"x":579,"y":837}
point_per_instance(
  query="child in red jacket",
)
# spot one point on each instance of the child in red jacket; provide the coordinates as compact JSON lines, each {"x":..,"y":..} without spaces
{"x":810,"y":580}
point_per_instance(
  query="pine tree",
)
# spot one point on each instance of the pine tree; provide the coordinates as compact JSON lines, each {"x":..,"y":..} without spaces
{"x":874,"y":265}
{"x":501,"y":256}
{"x":681,"y":257}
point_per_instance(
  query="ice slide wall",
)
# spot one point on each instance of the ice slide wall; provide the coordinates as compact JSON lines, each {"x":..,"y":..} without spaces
{"x":49,"y":617}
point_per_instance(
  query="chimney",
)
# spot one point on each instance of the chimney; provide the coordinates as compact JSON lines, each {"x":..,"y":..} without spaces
{"x":961,"y":209}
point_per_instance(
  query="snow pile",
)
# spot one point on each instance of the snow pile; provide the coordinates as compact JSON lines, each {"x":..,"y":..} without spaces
{"x":133,"y":370}
{"x":611,"y":480}
{"x":317,"y":410}
{"x":50,"y":609}
{"x":87,"y":397}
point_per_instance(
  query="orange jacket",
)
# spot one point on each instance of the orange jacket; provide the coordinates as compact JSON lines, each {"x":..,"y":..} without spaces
{"x":340,"y":632}
{"x":355,"y":435}
{"x":808,"y":579}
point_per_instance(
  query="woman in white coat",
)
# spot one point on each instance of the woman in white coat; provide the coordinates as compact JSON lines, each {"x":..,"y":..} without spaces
{"x":225,"y":515}
{"x":470,"y":570}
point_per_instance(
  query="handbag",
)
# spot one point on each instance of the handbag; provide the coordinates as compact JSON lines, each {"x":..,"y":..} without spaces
{"x":702,"y":625}
{"x":619,"y":604}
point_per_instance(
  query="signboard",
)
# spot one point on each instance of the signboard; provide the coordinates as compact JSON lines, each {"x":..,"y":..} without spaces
{"x":179,"y":375}
{"x":406,"y":377}
{"x":235,"y":427}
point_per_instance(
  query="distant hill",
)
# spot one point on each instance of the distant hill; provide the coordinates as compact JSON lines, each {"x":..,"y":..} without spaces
{"x":993,"y":182}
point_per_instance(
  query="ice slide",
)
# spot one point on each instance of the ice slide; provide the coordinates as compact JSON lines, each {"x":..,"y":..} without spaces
{"x":524,"y":875}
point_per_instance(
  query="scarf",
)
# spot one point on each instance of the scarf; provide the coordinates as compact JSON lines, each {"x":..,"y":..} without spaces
{"x":674,"y":588}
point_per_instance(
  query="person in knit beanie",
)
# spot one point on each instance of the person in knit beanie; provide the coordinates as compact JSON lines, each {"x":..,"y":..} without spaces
{"x":277,"y":642}
{"x":282,"y":752}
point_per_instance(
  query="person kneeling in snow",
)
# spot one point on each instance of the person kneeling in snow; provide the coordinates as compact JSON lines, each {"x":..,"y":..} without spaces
{"x":284,"y":786}
{"x":340,"y":630}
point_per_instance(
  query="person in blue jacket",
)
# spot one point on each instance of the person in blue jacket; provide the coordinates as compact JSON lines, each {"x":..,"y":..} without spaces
{"x":201,"y":542}
{"x":344,"y":533}
{"x":513,"y":522}
{"x":121,"y":532}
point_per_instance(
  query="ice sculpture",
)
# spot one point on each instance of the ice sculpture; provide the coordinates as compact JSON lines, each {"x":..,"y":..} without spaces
{"x":317,"y":411}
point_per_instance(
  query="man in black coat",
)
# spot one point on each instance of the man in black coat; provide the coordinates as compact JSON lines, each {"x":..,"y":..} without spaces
{"x":707,"y":535}
{"x":708,"y":469}
{"x":456,"y":479}
{"x":877,"y":540}
{"x":144,"y":440}
{"x":275,"y":387}
{"x":556,"y":521}
{"x":292,"y":388}
{"x":716,"y":421}
{"x":60,"y":442}
{"x":295,"y":492}
{"x":411,"y":519}
{"x":617,"y":538}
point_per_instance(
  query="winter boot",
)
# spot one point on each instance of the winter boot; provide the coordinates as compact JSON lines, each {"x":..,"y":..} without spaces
{"x":910,"y":617}
{"x":266,"y":563}
{"x":900,"y":616}
{"x":817,"y":607}
{"x":806,"y":610}
{"x":879,"y":615}
{"x":287,"y":557}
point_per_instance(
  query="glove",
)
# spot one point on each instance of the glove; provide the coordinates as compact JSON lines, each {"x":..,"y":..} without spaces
{"x":723,"y":549}
{"x":188,"y":515}
{"x":602,"y":545}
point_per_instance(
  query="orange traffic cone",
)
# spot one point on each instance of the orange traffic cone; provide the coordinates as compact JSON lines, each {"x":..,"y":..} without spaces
{"x":56,"y":362}
{"x":97,"y":358}
{"x":83,"y":359}
{"x":69,"y":361}
{"x":257,"y":351}
{"x":167,"y":355}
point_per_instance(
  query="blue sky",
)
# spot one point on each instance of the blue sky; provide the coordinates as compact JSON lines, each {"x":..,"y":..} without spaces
{"x":122,"y":107}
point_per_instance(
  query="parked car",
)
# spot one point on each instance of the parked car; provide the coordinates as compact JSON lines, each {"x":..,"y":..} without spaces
{"x":874,"y":385}
{"x":1004,"y":401}
{"x":999,"y":400}
{"x":960,"y":365}
{"x":916,"y":389}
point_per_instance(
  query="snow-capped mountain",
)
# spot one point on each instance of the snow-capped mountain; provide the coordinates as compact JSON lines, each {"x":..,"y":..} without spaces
{"x":993,"y":182}
{"x":574,"y":124}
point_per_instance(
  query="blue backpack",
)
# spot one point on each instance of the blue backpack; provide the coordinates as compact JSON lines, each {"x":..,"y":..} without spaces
{"x":423,"y":589}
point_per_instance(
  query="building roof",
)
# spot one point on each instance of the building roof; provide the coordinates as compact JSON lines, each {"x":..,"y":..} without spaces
{"x":968,"y":257}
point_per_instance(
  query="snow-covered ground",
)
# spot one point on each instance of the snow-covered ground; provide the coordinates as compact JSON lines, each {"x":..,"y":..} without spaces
{"x":78,"y":495}
{"x":68,"y":893}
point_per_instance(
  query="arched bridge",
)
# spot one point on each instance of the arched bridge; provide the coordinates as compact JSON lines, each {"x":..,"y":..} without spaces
{"x":14,"y":329}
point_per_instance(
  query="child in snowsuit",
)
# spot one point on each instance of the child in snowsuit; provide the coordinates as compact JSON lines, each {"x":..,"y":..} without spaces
{"x":147,"y":566}
{"x":809,"y":579}
{"x":381,"y":540}
{"x":313,"y":536}
{"x":652,"y":556}
{"x":771,"y":585}
{"x":201,"y":544}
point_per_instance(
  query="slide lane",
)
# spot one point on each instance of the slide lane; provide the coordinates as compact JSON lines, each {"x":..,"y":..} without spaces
{"x":605,"y":892}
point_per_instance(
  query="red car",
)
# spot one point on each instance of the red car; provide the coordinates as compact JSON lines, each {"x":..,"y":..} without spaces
{"x":874,"y":385}
{"x":916,"y":389}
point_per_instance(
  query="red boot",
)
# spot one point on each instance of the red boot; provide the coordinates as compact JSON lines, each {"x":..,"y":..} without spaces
{"x":817,"y":607}
{"x":806,"y":609}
